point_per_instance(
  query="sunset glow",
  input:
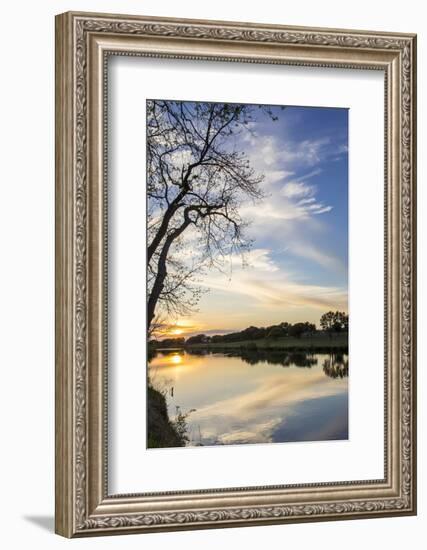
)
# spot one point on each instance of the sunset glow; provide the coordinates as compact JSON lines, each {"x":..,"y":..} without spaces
{"x":296,"y":268}
{"x":176,"y":359}
{"x":184,"y":328}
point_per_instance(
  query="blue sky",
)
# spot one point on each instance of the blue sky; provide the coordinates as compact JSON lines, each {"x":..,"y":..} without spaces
{"x":297,"y":268}
{"x":305,"y":158}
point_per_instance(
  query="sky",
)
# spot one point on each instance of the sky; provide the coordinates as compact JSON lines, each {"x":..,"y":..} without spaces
{"x":297,"y":268}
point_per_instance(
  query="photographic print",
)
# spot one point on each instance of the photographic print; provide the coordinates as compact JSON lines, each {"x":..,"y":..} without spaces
{"x":247,"y":273}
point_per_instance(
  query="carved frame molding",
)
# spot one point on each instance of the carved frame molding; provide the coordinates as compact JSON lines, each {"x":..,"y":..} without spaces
{"x":83,"y":43}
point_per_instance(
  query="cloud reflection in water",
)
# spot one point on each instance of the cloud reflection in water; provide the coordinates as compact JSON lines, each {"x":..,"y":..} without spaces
{"x":256,"y":399}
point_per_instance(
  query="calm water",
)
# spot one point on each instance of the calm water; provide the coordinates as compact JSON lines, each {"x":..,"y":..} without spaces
{"x":255,"y":397}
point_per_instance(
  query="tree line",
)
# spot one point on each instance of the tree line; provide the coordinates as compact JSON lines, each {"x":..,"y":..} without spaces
{"x":330,"y":323}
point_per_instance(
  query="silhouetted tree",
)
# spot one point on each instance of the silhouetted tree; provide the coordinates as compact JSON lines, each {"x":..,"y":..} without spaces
{"x":275,"y":332}
{"x":198,"y":339}
{"x":298,"y":329}
{"x":196,"y":182}
{"x":334,"y":321}
{"x":171,"y":343}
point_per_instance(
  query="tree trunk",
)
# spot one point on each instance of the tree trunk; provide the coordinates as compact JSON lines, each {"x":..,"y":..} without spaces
{"x":173,"y":207}
{"x":162,"y":271}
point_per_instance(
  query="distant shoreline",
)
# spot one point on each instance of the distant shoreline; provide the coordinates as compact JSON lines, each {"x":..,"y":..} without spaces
{"x":315,"y":344}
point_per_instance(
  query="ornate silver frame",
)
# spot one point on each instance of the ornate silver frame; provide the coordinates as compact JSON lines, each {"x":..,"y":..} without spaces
{"x":83,"y":42}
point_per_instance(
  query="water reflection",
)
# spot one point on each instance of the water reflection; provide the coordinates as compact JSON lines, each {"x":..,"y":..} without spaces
{"x":296,"y":359}
{"x":248,"y":397}
{"x":336,"y":366}
{"x":253,"y":357}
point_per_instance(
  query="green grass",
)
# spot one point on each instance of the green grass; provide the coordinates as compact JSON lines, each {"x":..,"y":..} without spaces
{"x":339,"y":341}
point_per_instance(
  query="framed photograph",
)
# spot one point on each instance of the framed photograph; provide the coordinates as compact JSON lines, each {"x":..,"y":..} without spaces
{"x":235,"y":274}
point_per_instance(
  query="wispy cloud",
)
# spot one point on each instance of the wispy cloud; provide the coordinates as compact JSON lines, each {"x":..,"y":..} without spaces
{"x":295,"y":200}
{"x":284,"y":163}
{"x":289,"y":154}
{"x":298,"y":215}
{"x":307,"y":250}
{"x":297,"y":189}
{"x":274,"y":176}
{"x":310,"y":152}
{"x":262,"y":281}
{"x":292,"y":169}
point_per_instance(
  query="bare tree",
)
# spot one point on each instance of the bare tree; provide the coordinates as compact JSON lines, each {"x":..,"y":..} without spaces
{"x":196,"y":183}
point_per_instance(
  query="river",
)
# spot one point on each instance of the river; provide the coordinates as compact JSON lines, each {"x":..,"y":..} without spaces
{"x":255,"y":396}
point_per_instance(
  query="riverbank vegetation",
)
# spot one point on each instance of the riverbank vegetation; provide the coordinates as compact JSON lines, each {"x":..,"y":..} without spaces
{"x":319,"y":344}
{"x":161,"y":430}
{"x":333,"y":335}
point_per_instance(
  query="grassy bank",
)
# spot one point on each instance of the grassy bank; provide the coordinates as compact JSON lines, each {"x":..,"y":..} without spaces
{"x":335,"y":343}
{"x":162,"y":432}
